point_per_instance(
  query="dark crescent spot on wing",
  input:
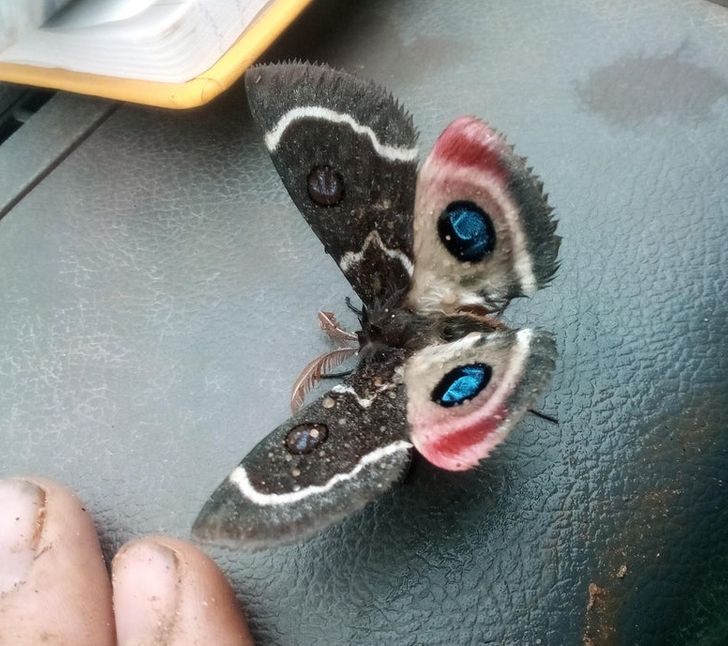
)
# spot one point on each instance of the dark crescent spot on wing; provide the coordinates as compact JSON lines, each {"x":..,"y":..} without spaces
{"x":325,"y":186}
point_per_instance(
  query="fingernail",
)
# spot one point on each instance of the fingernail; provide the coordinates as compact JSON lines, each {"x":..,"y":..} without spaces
{"x":146,"y":593}
{"x":22,"y":511}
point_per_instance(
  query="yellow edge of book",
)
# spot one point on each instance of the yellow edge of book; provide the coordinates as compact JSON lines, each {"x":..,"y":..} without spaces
{"x":195,"y":92}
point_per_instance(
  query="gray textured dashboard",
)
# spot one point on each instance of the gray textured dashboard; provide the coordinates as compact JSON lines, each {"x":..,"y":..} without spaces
{"x":158,"y":293}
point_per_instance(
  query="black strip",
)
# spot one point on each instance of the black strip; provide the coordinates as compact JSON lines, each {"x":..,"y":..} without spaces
{"x":56,"y":162}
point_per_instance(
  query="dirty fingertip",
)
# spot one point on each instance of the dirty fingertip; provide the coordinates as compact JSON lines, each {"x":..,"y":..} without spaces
{"x":53,"y":581}
{"x":168,"y":592}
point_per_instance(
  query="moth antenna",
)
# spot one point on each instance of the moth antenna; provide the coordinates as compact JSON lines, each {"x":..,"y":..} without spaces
{"x":314,"y":372}
{"x":359,"y":312}
{"x":331,"y":327}
{"x":548,"y":418}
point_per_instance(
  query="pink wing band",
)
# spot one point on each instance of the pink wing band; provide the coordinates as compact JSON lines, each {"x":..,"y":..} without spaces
{"x":470,"y":142}
{"x":456,"y":439}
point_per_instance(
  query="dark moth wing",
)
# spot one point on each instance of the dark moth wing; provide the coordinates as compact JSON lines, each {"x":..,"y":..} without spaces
{"x":346,"y":152}
{"x":328,"y":460}
{"x":484,"y":233}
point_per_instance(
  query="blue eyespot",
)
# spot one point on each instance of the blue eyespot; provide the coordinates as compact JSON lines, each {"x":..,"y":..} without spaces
{"x":461,"y":383}
{"x":466,"y":231}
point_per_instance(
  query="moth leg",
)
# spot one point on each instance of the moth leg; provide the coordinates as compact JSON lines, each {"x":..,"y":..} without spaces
{"x":353,"y":307}
{"x":545,"y":416}
{"x":337,"y":375}
{"x":501,"y":309}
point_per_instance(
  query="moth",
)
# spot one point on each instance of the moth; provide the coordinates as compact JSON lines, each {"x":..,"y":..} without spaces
{"x":435,"y":255}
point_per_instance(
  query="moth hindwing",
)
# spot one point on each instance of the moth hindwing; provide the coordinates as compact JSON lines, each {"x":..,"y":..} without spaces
{"x":434,"y":258}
